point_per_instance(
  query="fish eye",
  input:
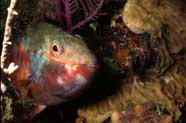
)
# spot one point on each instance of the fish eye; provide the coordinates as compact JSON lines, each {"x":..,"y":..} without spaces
{"x":56,"y":48}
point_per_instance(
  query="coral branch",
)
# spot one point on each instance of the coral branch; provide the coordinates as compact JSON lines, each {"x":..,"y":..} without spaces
{"x":59,"y":13}
{"x":90,"y":9}
{"x":68,"y":15}
{"x":6,"y":41}
{"x":91,"y":12}
{"x":8,"y":30}
{"x":74,"y":6}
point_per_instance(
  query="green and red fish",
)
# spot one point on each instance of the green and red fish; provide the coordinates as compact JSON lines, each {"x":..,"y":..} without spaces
{"x":53,"y":65}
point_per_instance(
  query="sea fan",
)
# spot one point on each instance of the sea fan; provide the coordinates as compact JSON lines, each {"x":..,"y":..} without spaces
{"x":66,"y":9}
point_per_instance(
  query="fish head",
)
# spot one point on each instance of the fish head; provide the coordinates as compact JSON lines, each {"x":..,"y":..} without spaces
{"x":61,"y":64}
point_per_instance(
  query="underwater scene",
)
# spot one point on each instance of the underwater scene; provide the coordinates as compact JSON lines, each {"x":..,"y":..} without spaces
{"x":93,"y":61}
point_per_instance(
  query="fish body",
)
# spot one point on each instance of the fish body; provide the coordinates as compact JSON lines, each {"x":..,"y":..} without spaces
{"x":54,"y":66}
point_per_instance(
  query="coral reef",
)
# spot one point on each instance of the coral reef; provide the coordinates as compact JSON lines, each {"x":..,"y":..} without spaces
{"x":147,"y":112}
{"x":141,"y":47}
{"x":163,"y":90}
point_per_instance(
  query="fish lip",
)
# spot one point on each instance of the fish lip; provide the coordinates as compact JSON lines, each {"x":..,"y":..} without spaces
{"x":97,"y":66}
{"x":92,"y":67}
{"x":72,"y":91}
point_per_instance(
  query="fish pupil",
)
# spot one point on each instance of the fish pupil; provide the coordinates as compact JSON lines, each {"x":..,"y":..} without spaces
{"x":55,"y":48}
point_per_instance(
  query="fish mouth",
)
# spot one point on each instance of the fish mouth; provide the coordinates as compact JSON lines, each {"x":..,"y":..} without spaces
{"x":87,"y":70}
{"x":94,"y":66}
{"x":70,"y":92}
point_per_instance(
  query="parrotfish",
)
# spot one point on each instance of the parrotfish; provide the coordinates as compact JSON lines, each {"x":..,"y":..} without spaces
{"x":53,"y":65}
